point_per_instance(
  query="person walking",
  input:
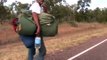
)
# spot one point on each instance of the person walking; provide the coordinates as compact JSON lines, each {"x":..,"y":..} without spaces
{"x":36,"y":8}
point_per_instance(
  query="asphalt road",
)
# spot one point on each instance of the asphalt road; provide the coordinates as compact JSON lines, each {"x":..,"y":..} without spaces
{"x":98,"y":51}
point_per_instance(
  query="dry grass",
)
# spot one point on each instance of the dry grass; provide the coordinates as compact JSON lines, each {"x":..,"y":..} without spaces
{"x":17,"y":51}
{"x":14,"y":52}
{"x":61,"y":43}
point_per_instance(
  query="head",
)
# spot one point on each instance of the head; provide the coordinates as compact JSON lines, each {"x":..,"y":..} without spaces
{"x":40,"y":1}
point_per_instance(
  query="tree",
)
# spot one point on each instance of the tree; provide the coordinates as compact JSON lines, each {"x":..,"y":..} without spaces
{"x":3,"y":13}
{"x":83,"y":4}
{"x":16,"y":8}
{"x":52,"y":3}
{"x":2,"y":1}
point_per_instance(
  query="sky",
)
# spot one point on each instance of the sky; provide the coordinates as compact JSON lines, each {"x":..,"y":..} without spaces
{"x":93,"y":5}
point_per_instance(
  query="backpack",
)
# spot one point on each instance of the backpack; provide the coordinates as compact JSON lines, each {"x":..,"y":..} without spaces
{"x":49,"y":25}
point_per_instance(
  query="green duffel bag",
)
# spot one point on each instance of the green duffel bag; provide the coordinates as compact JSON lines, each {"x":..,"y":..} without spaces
{"x":49,"y":26}
{"x":26,"y":26}
{"x":50,"y":30}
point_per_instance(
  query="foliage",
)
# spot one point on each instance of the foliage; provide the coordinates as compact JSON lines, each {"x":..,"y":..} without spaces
{"x":4,"y":12}
{"x":97,"y":15}
{"x":61,"y":12}
{"x":83,"y":4}
{"x":16,"y":8}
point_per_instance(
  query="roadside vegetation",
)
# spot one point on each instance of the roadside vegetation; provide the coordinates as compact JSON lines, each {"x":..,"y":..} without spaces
{"x":62,"y":11}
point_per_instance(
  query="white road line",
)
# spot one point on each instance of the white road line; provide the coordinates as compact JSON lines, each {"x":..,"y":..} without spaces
{"x":87,"y":50}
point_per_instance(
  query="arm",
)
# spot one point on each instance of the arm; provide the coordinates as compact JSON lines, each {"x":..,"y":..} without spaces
{"x":36,"y":19}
